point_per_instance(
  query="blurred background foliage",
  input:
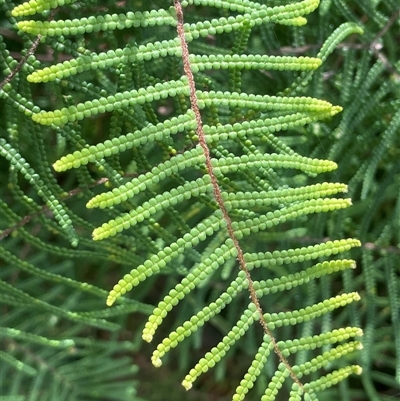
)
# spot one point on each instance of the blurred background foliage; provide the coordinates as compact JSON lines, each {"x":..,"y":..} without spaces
{"x":60,"y":342}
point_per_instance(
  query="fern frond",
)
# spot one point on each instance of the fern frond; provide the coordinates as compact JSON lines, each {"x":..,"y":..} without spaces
{"x":202,"y":170}
{"x":17,"y":365}
{"x":19,"y":296}
{"x":387,"y":137}
{"x":261,"y":287}
{"x":248,"y":317}
{"x":20,"y":164}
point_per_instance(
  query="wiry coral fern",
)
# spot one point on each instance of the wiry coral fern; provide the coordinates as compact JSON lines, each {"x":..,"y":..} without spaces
{"x":202,"y":166}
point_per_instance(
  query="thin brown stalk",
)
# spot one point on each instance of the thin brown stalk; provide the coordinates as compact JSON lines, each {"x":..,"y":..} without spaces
{"x":23,"y":60}
{"x":21,"y":63}
{"x":217,"y":189}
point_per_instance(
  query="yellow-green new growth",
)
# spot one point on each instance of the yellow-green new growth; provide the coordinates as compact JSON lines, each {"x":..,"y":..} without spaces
{"x":214,"y":172}
{"x":38,"y":6}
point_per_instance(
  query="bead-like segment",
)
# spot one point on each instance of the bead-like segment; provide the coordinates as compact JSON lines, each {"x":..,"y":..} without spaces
{"x":154,"y":205}
{"x":107,"y":22}
{"x":162,"y":258}
{"x":94,"y":61}
{"x":252,"y":62}
{"x":148,"y":134}
{"x":192,"y":280}
{"x":111,"y":103}
{"x":218,"y":352}
{"x":38,"y":6}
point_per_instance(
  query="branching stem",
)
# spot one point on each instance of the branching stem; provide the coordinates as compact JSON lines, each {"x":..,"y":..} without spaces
{"x":24,"y":59}
{"x":217,"y":190}
{"x":21,"y":63}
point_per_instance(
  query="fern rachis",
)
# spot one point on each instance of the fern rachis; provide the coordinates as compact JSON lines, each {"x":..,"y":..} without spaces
{"x":205,"y":162}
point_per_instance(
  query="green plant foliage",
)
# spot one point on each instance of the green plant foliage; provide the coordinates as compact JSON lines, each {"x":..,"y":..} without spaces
{"x":221,"y":149}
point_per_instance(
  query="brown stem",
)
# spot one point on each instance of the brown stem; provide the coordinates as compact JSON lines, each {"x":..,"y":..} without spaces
{"x":217,"y":189}
{"x":17,"y":69}
{"x":23,"y":60}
